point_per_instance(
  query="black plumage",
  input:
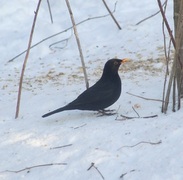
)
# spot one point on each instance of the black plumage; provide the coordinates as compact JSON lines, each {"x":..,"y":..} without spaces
{"x":102,"y":94}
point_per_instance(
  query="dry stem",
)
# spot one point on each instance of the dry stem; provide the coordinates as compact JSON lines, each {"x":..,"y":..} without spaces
{"x":49,"y":8}
{"x":36,"y":166}
{"x":25,"y":61}
{"x":78,"y":43}
{"x":93,"y":165}
{"x":142,"y":142}
{"x":111,"y":14}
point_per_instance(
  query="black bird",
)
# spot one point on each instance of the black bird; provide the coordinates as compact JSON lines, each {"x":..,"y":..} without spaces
{"x":102,"y":94}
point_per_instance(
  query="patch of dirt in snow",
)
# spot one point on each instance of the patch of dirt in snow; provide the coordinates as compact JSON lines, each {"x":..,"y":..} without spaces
{"x":152,"y":67}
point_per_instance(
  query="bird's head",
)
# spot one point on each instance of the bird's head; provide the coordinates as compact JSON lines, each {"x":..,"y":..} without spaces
{"x":112,"y":66}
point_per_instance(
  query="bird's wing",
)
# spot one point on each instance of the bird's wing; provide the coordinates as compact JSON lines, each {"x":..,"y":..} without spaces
{"x":95,"y":95}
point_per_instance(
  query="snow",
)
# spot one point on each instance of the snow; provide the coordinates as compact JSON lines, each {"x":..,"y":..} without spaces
{"x":134,"y":149}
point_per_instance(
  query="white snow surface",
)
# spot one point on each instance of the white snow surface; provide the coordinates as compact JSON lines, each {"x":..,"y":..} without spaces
{"x":129,"y":149}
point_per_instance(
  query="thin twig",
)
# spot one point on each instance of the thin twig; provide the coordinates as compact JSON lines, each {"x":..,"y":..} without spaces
{"x":54,"y":35}
{"x":142,"y":142}
{"x":167,"y":59}
{"x":25,"y":61}
{"x":93,"y":165}
{"x":166,"y":23}
{"x":149,"y":16}
{"x":135,"y":111}
{"x":105,"y":4}
{"x":78,"y":43}
{"x":149,"y":99}
{"x":66,"y":40}
{"x":36,"y":166}
{"x":80,"y":126}
{"x":134,"y":117}
{"x":59,"y":147}
{"x":133,"y":170}
{"x":49,"y":8}
{"x":166,"y":76}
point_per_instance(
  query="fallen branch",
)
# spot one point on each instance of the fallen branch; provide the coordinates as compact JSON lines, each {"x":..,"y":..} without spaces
{"x":58,"y":147}
{"x":134,"y":117}
{"x":149,"y":99}
{"x":93,"y":165}
{"x":36,"y":166}
{"x":136,"y":112}
{"x":142,"y":142}
{"x":127,"y":173}
{"x":77,"y":127}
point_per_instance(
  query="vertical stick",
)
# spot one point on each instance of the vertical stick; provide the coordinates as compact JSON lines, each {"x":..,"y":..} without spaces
{"x":78,"y":43}
{"x":25,"y":61}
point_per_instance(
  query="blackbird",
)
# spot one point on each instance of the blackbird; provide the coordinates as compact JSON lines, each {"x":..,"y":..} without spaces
{"x":102,"y":94}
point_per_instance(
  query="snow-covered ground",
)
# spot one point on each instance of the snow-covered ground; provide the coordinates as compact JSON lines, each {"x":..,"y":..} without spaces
{"x":135,"y":149}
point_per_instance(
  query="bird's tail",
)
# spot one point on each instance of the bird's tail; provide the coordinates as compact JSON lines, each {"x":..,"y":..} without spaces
{"x":55,"y":111}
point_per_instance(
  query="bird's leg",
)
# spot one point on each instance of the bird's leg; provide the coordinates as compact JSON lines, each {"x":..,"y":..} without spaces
{"x":106,"y":112}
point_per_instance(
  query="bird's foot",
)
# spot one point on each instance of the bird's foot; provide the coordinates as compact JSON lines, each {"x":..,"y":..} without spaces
{"x":106,"y":112}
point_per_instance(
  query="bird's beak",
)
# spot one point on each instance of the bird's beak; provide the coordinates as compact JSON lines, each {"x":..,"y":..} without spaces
{"x":125,"y":60}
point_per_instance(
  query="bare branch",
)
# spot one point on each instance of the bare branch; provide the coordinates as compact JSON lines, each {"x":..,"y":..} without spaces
{"x":142,"y":142}
{"x":134,"y":117}
{"x":54,"y":35}
{"x":36,"y":166}
{"x":77,"y":127}
{"x":59,"y":147}
{"x":122,"y":176}
{"x":93,"y":165}
{"x":111,"y":14}
{"x":25,"y":61}
{"x":166,"y":23}
{"x":49,"y":8}
{"x":135,"y":111}
{"x":149,"y":16}
{"x":149,"y":99}
{"x":78,"y":43}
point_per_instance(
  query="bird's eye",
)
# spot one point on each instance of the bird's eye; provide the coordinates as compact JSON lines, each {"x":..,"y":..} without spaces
{"x":115,"y":63}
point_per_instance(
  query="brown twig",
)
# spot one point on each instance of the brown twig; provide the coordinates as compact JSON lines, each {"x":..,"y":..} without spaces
{"x":166,"y":23}
{"x":77,"y":127}
{"x":149,"y":16}
{"x":134,"y":117}
{"x":142,"y":142}
{"x":167,"y":57}
{"x":105,"y":4}
{"x":49,"y":8}
{"x":136,"y":112}
{"x":133,"y":170}
{"x":93,"y":165}
{"x":149,"y":99}
{"x":59,"y":147}
{"x":25,"y":61}
{"x":78,"y":43}
{"x":36,"y":166}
